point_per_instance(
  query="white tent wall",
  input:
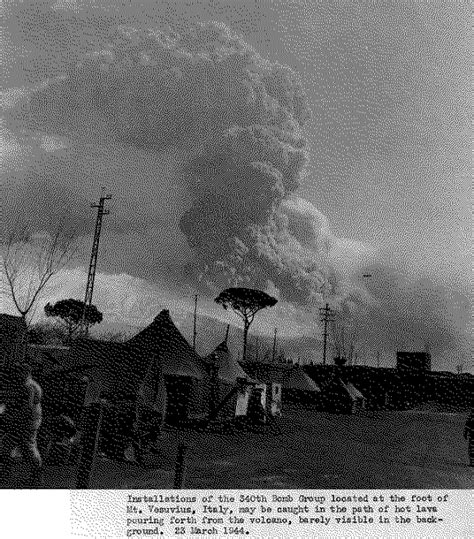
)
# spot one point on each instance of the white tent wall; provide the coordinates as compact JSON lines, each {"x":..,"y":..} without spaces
{"x":226,"y":378}
{"x":358,"y":400}
{"x":275,"y":404}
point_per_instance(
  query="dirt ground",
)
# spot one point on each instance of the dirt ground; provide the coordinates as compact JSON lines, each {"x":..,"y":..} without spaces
{"x":389,"y":450}
{"x":380,"y":450}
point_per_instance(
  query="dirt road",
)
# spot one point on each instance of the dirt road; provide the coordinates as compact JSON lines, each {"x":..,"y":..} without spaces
{"x":315,"y":451}
{"x":387,"y":450}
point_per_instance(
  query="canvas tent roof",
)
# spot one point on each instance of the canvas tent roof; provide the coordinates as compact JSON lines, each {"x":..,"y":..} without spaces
{"x":353,"y":392}
{"x":265,"y":372}
{"x":161,"y":338}
{"x":229,"y":368}
{"x":120,"y":368}
{"x":297,"y":379}
{"x":176,"y":355}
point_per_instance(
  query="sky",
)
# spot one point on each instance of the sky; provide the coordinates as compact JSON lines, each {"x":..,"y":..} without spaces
{"x":290,"y":146}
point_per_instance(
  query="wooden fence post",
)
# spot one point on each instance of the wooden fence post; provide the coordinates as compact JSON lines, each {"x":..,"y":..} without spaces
{"x":180,"y":467}
{"x":214,"y":389}
{"x":90,"y":437}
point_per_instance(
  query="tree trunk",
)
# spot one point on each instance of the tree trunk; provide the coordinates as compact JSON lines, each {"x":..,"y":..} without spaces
{"x":246,"y":331}
{"x":70,"y":330}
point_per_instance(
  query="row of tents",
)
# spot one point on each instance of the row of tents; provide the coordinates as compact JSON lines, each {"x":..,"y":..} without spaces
{"x":169,"y":377}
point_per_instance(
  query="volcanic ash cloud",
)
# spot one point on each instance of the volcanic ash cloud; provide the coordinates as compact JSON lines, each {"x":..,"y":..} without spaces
{"x":208,"y":96}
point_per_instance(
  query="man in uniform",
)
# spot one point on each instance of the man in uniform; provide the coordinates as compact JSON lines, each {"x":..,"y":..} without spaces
{"x":21,"y":419}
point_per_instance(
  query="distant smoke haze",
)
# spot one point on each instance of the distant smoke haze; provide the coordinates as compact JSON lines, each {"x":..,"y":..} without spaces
{"x":194,"y":128}
{"x":204,"y":145}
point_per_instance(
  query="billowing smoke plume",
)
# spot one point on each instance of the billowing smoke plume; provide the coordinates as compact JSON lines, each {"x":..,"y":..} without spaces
{"x":413,"y":311}
{"x":233,"y":122}
{"x":201,"y":141}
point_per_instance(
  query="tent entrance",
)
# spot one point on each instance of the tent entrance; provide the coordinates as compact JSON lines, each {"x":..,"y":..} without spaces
{"x":179,"y":392}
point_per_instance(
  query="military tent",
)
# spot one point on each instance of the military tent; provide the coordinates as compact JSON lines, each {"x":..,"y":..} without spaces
{"x":358,"y":400}
{"x":266,"y":373}
{"x":223,"y":374}
{"x":177,"y":364}
{"x":173,"y":351}
{"x":297,"y":379}
{"x":299,"y":388}
{"x":154,"y":373}
{"x":228,"y":369}
{"x":156,"y":360}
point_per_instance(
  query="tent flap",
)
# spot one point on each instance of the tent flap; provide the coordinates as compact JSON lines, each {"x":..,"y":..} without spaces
{"x":228,"y":368}
{"x":297,"y":379}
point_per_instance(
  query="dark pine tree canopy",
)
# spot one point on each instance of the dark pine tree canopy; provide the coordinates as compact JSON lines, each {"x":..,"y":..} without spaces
{"x":245,"y":302}
{"x":70,"y":311}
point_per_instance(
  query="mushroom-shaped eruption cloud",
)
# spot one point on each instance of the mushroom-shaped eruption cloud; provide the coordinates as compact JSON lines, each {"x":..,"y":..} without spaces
{"x":232,"y":120}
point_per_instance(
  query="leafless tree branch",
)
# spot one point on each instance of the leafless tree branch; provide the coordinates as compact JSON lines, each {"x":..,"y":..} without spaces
{"x":29,"y":261}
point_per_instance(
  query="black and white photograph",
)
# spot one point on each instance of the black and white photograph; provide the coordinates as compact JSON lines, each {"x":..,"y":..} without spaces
{"x":236,"y":246}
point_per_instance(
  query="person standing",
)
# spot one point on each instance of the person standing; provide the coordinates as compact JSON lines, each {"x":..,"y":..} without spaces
{"x":256,"y":410}
{"x":22,"y":417}
{"x":469,"y":435}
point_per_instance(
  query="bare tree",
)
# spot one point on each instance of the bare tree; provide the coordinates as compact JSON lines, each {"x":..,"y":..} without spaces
{"x":30,"y":260}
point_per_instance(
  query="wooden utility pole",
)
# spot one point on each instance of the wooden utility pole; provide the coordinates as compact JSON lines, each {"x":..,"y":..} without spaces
{"x":195,"y":319}
{"x":326,"y":317}
{"x":227,"y":333}
{"x":274,"y":345}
